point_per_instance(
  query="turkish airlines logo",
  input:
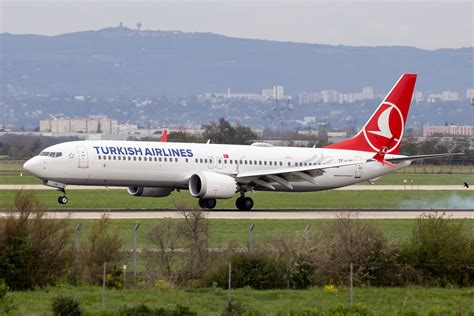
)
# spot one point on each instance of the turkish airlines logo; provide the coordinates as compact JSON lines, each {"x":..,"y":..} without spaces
{"x":387,"y":123}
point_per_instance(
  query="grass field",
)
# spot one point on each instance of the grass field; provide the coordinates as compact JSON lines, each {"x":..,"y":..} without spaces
{"x":210,"y":301}
{"x":114,"y":199}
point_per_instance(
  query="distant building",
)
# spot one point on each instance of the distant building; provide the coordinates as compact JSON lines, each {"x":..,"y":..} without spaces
{"x":419,"y":97}
{"x":449,"y":96}
{"x":333,"y":96}
{"x":91,"y":124}
{"x":448,"y":130}
{"x":278,"y":92}
{"x":470,"y":94}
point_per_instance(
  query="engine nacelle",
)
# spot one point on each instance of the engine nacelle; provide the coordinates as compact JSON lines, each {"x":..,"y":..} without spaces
{"x":211,"y":185}
{"x":149,"y":192}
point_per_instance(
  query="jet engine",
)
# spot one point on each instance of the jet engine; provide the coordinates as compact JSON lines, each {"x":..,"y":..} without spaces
{"x":211,"y":185}
{"x":149,"y":192}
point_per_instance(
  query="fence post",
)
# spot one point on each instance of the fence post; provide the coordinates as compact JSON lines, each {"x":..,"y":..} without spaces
{"x":104,"y":276}
{"x":135,"y":229}
{"x":250,"y":240}
{"x":351,"y":284}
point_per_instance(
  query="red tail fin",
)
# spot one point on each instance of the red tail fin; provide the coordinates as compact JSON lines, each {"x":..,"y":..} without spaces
{"x":164,"y":136}
{"x":387,"y":121}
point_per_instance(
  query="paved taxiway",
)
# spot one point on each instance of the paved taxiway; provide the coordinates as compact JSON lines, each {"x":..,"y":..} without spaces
{"x":254,"y":214}
{"x":356,"y":187}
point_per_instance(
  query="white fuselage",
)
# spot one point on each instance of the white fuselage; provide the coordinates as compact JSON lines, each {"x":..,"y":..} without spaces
{"x":170,"y":165}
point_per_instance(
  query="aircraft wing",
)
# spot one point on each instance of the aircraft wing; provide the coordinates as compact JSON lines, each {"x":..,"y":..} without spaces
{"x":283,"y":176}
{"x":421,"y":157}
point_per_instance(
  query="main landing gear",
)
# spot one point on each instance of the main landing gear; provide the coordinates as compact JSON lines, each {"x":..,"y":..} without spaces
{"x":244,"y":203}
{"x":207,"y":203}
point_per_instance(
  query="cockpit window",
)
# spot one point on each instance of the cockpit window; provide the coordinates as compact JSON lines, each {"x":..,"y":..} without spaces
{"x":53,"y":154}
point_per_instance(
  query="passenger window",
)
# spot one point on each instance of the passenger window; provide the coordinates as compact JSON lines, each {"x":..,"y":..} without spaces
{"x":139,"y":158}
{"x":255,"y":162}
{"x":270,"y":163}
{"x":119,"y":158}
{"x":196,"y":160}
{"x":186,"y":160}
{"x":265,"y":162}
{"x":156,"y":159}
{"x":110,"y":157}
{"x":220,"y":161}
{"x":176,"y":159}
{"x":100,"y":157}
{"x":250,"y":162}
{"x":230,"y":161}
{"x":240,"y":161}
{"x":129,"y":158}
{"x":281,"y":163}
{"x":225,"y":161}
{"x":134,"y":158}
{"x":115,"y":158}
{"x":165,"y":159}
{"x":200,"y":160}
{"x":289,"y":164}
{"x":205,"y":160}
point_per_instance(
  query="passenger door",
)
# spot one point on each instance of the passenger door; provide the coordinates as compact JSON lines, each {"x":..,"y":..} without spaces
{"x":83,"y":159}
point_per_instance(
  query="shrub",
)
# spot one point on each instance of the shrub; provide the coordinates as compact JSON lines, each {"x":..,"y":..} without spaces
{"x":65,"y":306}
{"x":102,"y":246}
{"x":258,"y":271}
{"x":356,"y":309}
{"x":441,"y":250}
{"x":6,"y":305}
{"x":144,"y":310}
{"x":233,"y":309}
{"x":349,"y":240}
{"x":194,"y":231}
{"x":34,"y":250}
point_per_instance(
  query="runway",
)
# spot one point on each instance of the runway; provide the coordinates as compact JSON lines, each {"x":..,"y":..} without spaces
{"x":257,"y":214}
{"x":355,"y":187}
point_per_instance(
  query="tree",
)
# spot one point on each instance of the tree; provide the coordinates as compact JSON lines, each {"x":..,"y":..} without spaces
{"x":224,"y":133}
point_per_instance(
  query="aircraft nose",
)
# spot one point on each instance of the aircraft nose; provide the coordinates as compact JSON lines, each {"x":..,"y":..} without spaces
{"x":32,"y":165}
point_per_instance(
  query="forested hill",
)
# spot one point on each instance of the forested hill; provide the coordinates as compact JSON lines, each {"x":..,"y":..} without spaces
{"x":122,"y":61}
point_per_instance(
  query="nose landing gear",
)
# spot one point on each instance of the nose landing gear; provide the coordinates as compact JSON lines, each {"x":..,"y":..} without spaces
{"x":62,"y":199}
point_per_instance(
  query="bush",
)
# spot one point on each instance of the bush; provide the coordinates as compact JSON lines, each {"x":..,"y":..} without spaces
{"x":233,"y":309}
{"x":102,"y":246}
{"x":34,"y":250}
{"x":258,"y":271}
{"x":65,"y":306}
{"x":356,"y":309}
{"x":6,"y":304}
{"x":143,"y":310}
{"x":350,"y":240}
{"x":441,"y":250}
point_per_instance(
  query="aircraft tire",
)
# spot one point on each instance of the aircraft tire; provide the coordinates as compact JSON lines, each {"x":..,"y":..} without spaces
{"x":211,"y":203}
{"x":62,"y":199}
{"x":244,"y":203}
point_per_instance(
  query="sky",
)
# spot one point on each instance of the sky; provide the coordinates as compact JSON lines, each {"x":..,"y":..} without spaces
{"x":420,"y":23}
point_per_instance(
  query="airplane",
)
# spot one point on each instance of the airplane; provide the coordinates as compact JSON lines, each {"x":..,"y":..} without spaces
{"x":216,"y":171}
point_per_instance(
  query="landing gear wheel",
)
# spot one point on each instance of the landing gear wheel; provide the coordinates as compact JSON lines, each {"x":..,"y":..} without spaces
{"x":244,"y":203}
{"x":62,"y":199}
{"x":211,"y":203}
{"x":207,"y":203}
